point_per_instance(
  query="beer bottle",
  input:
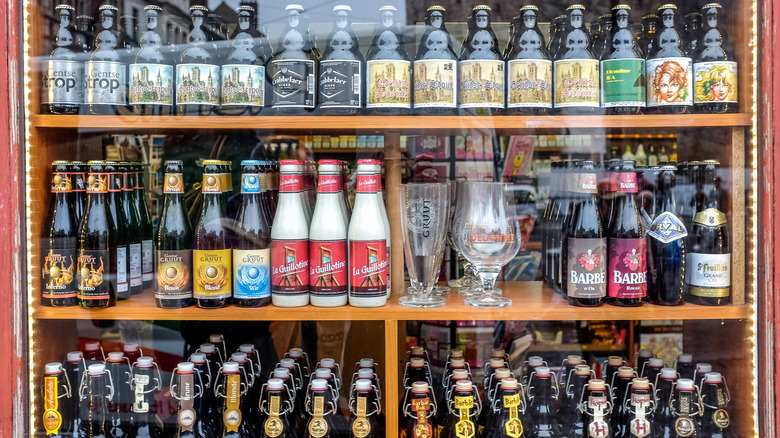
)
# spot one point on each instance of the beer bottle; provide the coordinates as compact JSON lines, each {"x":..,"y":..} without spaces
{"x":186,"y":388}
{"x":638,"y":407}
{"x":120,"y":227}
{"x":331,"y":375}
{"x":663,"y":418}
{"x":556,"y":36}
{"x":60,"y":238}
{"x":119,"y":421}
{"x":547,"y":215}
{"x":255,"y":369}
{"x":98,"y":250}
{"x":173,"y":288}
{"x":627,"y":275}
{"x":93,"y":352}
{"x":435,"y":65}
{"x":57,"y":401}
{"x":542,"y":394}
{"x":702,"y":369}
{"x":596,"y":409}
{"x":685,"y":366}
{"x":693,"y":22}
{"x":440,"y":419}
{"x":528,"y":368}
{"x":215,"y":352}
{"x":567,"y":367}
{"x":106,"y":69}
{"x":277,"y":405}
{"x":232,"y":387}
{"x":464,"y":408}
{"x":132,"y":224}
{"x":600,"y":36}
{"x":480,"y":66}
{"x":216,"y":28}
{"x":584,"y":244}
{"x":714,"y":66}
{"x":715,"y":397}
{"x":78,"y":194}
{"x":653,"y":369}
{"x":416,"y":411}
{"x":321,"y":407}
{"x":620,"y":418}
{"x":610,"y":368}
{"x":127,"y":31}
{"x":94,"y":391}
{"x":569,"y":411}
{"x":296,"y":385}
{"x":669,"y":67}
{"x":150,"y":82}
{"x":297,"y":415}
{"x":85,"y":33}
{"x":508,"y":410}
{"x":452,"y":365}
{"x":75,"y":367}
{"x":243,"y":74}
{"x":249,"y":411}
{"x":708,"y":276}
{"x":623,"y":67}
{"x":568,"y":183}
{"x":487,"y":415}
{"x":62,"y":87}
{"x":642,"y":361}
{"x":364,"y":407}
{"x":341,"y":67}
{"x":211,"y":254}
{"x":388,"y":72}
{"x":685,"y":405}
{"x":290,"y":241}
{"x":576,"y":68}
{"x":197,"y":75}
{"x":251,"y":249}
{"x":293,"y":67}
{"x":529,"y":67}
{"x":207,"y":417}
{"x":145,"y":226}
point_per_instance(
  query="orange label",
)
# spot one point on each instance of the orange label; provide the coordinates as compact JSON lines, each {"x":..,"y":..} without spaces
{"x":52,"y":420}
{"x":232,"y":415}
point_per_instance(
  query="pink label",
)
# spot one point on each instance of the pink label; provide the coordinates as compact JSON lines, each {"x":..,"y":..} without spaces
{"x":289,"y":267}
{"x":625,"y":182}
{"x":329,"y":184}
{"x":328,"y":267}
{"x":627,"y":268}
{"x":368,"y":268}
{"x":291,"y":183}
{"x":367,"y":183}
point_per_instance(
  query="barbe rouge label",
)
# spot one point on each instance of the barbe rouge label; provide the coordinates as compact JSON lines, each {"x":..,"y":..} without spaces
{"x":368,"y":266}
{"x":435,"y":83}
{"x":150,"y":84}
{"x":577,"y":83}
{"x":106,"y":84}
{"x":627,"y":268}
{"x":174,"y":277}
{"x":91,"y":270}
{"x":328,"y":267}
{"x":289,"y":267}
{"x":329,"y":183}
{"x":625,"y":182}
{"x":340,"y":84}
{"x":530,"y":83}
{"x":251,"y":273}
{"x":291,"y":183}
{"x":174,"y":183}
{"x":293,"y":83}
{"x":389,"y":84}
{"x":587,"y":268}
{"x":197,"y":84}
{"x":212,"y":271}
{"x":62,"y":82}
{"x":59,"y":274}
{"x":481,"y":83}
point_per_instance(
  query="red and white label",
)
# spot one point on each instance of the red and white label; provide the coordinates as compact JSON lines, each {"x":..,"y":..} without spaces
{"x":627,"y":268}
{"x":625,"y":182}
{"x":368,"y":183}
{"x":368,"y":268}
{"x":328,"y":267}
{"x":291,"y":183}
{"x":329,"y":184}
{"x":289,"y":267}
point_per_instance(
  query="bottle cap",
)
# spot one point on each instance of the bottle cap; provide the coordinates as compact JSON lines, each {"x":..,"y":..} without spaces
{"x":363,"y":385}
{"x":463,"y":385}
{"x":668,"y":373}
{"x":275,"y":384}
{"x":230,"y":367}
{"x":92,"y":346}
{"x":366,"y":362}
{"x":207,"y":348}
{"x":216,"y":338}
{"x":246,"y":348}
{"x":198,"y":358}
{"x":319,"y":384}
{"x":533,"y":361}
{"x":327,"y":363}
{"x":290,"y":163}
{"x":238,"y":357}
{"x":417,"y":362}
{"x":685,"y":358}
{"x":116,"y":356}
{"x":74,"y":356}
{"x":498,"y":352}
{"x":640,"y":383}
{"x":503,"y":373}
{"x":250,"y":162}
{"x":460,"y":374}
{"x":655,"y":362}
{"x":713,"y":377}
{"x":419,"y":387}
{"x":52,"y":368}
{"x":542,"y":372}
{"x":685,"y":384}
{"x":322,"y":373}
{"x":281,"y":373}
{"x":615,"y":361}
{"x":212,"y":162}
{"x":703,"y":367}
{"x":509,"y":383}
{"x":96,"y":369}
{"x":185,"y":367}
{"x":497,"y":363}
{"x":416,"y":350}
{"x":596,"y":385}
{"x":456,"y":353}
{"x":388,"y":8}
{"x":625,"y":372}
{"x":645,"y":354}
{"x":574,"y":359}
{"x":130,"y":347}
{"x":287,"y":363}
{"x":338,"y":8}
{"x":293,"y":7}
{"x":582,"y":370}
{"x":458,"y":362}
{"x":365,"y":373}
{"x":152,"y":7}
{"x":144,"y":362}
{"x":335,"y":162}
{"x":295,"y":353}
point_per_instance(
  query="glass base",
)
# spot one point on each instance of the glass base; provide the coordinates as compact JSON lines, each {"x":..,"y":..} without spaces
{"x":441,"y":290}
{"x":418,"y":301}
{"x":488,"y":302}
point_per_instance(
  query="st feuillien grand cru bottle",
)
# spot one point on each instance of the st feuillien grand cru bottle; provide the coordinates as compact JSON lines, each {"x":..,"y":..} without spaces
{"x":529,"y":68}
{"x":714,"y":65}
{"x":341,"y":67}
{"x":577,"y":85}
{"x":60,"y":241}
{"x":197,"y":75}
{"x":293,"y":68}
{"x":623,"y":88}
{"x":120,"y":229}
{"x":388,"y":70}
{"x":150,"y":81}
{"x":106,"y":70}
{"x":173,"y":285}
{"x":481,"y":68}
{"x":669,"y":67}
{"x":435,"y":66}
{"x":243,"y":74}
{"x":61,"y":79}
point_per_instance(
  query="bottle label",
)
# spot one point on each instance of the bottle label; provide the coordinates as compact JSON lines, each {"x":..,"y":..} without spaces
{"x":710,"y":274}
{"x":122,"y":284}
{"x":328,"y":268}
{"x":667,"y":227}
{"x":151,"y":84}
{"x":232,"y":414}
{"x":684,"y":427}
{"x":329,"y":183}
{"x":598,"y":428}
{"x":60,"y":183}
{"x":93,"y":284}
{"x":715,"y":81}
{"x":187,"y":415}
{"x":530,"y":83}
{"x":710,"y":217}
{"x":481,"y":83}
{"x":135,"y":255}
{"x":197,"y":84}
{"x":721,"y":418}
{"x":513,"y":427}
{"x":639,"y":426}
{"x":97,"y":183}
{"x":367,"y":184}
{"x":250,"y":183}
{"x":627,"y":268}
{"x":669,"y":82}
{"x":174,"y":278}
{"x":435,"y":83}
{"x":212,"y":271}
{"x":623,"y":83}
{"x":422,"y":428}
{"x":318,"y":427}
{"x":368,"y":264}
{"x":174,"y":183}
{"x":251,"y":273}
{"x":58,"y":273}
{"x":62,"y":83}
{"x":147,"y":259}
{"x":52,"y":419}
{"x":361,"y":427}
{"x":625,"y":182}
{"x":340,"y":84}
{"x":587,"y":268}
{"x":291,"y":183}
{"x":140,"y":406}
{"x":273,"y":425}
{"x":389,"y":85}
{"x":577,"y":83}
{"x":243,"y":85}
{"x":212,"y":183}
{"x":289,"y":267}
{"x":106,"y":83}
{"x":464,"y":428}
{"x":587,"y":183}
{"x":293,"y":83}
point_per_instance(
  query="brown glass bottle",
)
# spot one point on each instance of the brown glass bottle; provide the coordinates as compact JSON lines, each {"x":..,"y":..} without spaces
{"x":669,"y":66}
{"x":60,"y":242}
{"x":145,"y":226}
{"x":417,"y":410}
{"x":79,"y":189}
{"x":435,"y":67}
{"x":388,"y":69}
{"x":714,"y":65}
{"x":197,"y":72}
{"x":481,"y":68}
{"x":61,"y":76}
{"x":118,"y":218}
{"x":622,"y":63}
{"x":579,"y":93}
{"x":596,"y":408}
{"x":151,"y":72}
{"x":133,"y":228}
{"x":529,"y":67}
{"x":293,"y":68}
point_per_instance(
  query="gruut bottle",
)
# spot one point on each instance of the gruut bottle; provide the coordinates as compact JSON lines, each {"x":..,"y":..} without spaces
{"x":435,"y":66}
{"x":79,"y":187}
{"x":481,"y":68}
{"x":388,"y":72}
{"x":60,"y":242}
{"x":61,"y":77}
{"x":341,"y":72}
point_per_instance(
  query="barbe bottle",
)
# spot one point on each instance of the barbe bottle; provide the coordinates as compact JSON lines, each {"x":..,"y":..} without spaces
{"x":57,"y":401}
{"x":464,"y":408}
{"x":715,"y":420}
{"x":94,"y":392}
{"x":232,"y":387}
{"x":243,"y":74}
{"x":120,"y":228}
{"x":173,"y":288}
{"x":417,"y":409}
{"x":666,"y":245}
{"x":576,"y":69}
{"x":150,"y":76}
{"x":669,"y":67}
{"x":186,"y":388}
{"x":61,"y":79}
{"x":197,"y":75}
{"x":328,"y":269}
{"x":293,"y":68}
{"x":145,"y":226}
{"x":388,"y":70}
{"x":60,"y":242}
{"x":435,"y":66}
{"x":341,"y":67}
{"x":529,"y":67}
{"x":133,"y":228}
{"x":714,"y":66}
{"x":251,"y":246}
{"x":481,"y":69}
{"x":596,"y":407}
{"x":211,"y":252}
{"x":106,"y":84}
{"x":623,"y":88}
{"x":97,"y":262}
{"x":146,"y":383}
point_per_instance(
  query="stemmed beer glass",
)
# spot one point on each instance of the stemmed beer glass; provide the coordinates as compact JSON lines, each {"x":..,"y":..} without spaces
{"x":469,"y":283}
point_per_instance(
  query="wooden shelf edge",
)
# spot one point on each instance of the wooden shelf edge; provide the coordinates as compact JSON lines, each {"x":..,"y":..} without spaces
{"x":384,"y":123}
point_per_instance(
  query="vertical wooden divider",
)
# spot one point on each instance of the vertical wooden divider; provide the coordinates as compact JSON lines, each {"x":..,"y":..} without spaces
{"x":391,"y":378}
{"x":739,"y":221}
{"x":393,"y":182}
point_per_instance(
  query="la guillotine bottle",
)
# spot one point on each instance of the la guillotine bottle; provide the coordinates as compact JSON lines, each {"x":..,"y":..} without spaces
{"x":61,"y":78}
{"x":435,"y":67}
{"x":481,"y":69}
{"x":60,"y":242}
{"x":341,"y":71}
{"x":529,"y":67}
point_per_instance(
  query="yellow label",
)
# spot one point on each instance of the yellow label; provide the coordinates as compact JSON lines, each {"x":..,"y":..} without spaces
{"x":481,"y":83}
{"x":361,"y":427}
{"x":318,"y":427}
{"x":174,"y":183}
{"x":464,"y":402}
{"x":273,"y":425}
{"x":512,"y":401}
{"x":465,"y":429}
{"x":213,"y":276}
{"x":709,"y":293}
{"x":530,"y":83}
{"x":52,"y":420}
{"x":435,"y":83}
{"x":577,"y":83}
{"x":389,"y":84}
{"x":710,"y":217}
{"x":232,"y":415}
{"x":514,"y":428}
{"x":226,"y":180}
{"x":212,"y":183}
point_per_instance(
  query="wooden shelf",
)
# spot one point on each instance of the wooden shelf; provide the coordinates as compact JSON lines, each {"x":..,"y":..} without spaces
{"x":530,"y":302}
{"x":381,"y":124}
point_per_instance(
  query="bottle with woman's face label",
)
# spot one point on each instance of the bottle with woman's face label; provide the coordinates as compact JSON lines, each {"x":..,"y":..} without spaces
{"x":714,"y":65}
{"x":669,"y":66}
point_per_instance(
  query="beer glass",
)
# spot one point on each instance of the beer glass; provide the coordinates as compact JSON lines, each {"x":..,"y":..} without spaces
{"x":468,"y":284}
{"x":489,"y":237}
{"x":423,"y":226}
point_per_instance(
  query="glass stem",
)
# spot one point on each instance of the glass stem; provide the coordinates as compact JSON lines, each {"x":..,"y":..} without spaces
{"x":488,"y":282}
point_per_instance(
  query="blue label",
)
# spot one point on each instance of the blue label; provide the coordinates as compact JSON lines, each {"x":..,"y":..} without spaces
{"x":667,"y":227}
{"x":250,"y":183}
{"x":251,"y":273}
